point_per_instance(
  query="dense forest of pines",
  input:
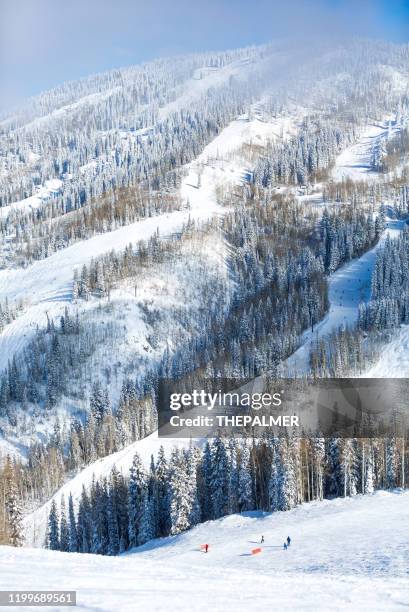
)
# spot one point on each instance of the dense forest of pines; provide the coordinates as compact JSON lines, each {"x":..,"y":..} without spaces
{"x":305,"y":157}
{"x":227,"y":476}
{"x":389,"y":304}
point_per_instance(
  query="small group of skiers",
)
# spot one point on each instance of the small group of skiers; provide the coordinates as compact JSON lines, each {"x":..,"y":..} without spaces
{"x":286,"y":543}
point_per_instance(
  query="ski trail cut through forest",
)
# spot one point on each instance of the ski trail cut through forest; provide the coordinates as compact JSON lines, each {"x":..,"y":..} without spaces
{"x":46,"y":285}
{"x":348,"y":287}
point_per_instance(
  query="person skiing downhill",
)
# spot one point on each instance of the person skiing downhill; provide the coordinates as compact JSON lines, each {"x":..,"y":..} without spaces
{"x":288,"y":540}
{"x":206,"y":547}
{"x":285,"y":546}
{"x":262,"y":539}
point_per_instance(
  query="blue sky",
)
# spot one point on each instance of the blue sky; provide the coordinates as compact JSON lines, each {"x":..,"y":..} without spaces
{"x":46,"y":42}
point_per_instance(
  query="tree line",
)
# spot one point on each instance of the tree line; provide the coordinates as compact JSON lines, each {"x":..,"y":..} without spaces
{"x":229,"y":475}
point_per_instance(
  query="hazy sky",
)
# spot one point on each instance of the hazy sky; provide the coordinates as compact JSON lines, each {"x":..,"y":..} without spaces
{"x":46,"y":42}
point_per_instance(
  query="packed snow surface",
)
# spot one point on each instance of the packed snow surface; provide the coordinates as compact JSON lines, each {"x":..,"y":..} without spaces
{"x":355,"y":162}
{"x":394,"y":359}
{"x":345,"y":554}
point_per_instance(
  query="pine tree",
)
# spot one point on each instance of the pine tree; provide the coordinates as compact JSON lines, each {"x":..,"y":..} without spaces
{"x":14,"y":515}
{"x":64,"y":530}
{"x":369,"y":485}
{"x":205,"y":491}
{"x":220,"y":479}
{"x":53,"y":540}
{"x":273,"y":486}
{"x":113,"y":531}
{"x":136,"y":494}
{"x":244,"y":483}
{"x":146,"y":527}
{"x":286,"y":479}
{"x":162,"y":493}
{"x":100,"y":518}
{"x":84,"y":523}
{"x":184,"y":507}
{"x":391,"y":460}
{"x":120,"y":490}
{"x":72,"y":526}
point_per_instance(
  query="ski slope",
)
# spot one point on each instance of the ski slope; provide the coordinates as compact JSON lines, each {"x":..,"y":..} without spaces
{"x":45,"y":286}
{"x":348,"y":287}
{"x":394,"y":359}
{"x":354,"y":162}
{"x":346,"y":554}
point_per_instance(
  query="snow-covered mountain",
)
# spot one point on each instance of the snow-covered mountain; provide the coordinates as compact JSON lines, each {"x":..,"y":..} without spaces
{"x":223,"y":214}
{"x":141,"y":153}
{"x":348,"y":554}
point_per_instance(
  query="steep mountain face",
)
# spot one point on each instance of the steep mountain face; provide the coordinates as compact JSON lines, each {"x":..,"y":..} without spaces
{"x":168,"y":217}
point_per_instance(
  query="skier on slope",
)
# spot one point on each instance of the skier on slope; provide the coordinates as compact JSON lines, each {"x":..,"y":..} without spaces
{"x":285,"y":546}
{"x":262,"y":539}
{"x":206,"y":547}
{"x":288,"y":540}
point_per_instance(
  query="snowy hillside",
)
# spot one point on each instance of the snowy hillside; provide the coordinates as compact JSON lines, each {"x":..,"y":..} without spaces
{"x":45,"y":287}
{"x":345,"y":554}
{"x":394,"y":360}
{"x":175,"y":142}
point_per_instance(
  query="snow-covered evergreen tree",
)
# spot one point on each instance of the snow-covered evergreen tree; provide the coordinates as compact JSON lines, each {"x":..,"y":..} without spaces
{"x":53,"y":540}
{"x":14,"y":514}
{"x":64,"y":529}
{"x":137,"y":490}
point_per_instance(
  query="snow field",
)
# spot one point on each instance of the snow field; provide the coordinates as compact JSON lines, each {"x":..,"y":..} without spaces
{"x":346,"y":554}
